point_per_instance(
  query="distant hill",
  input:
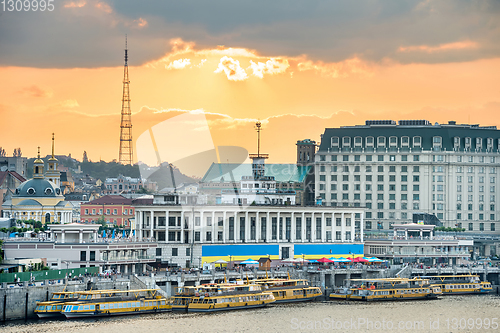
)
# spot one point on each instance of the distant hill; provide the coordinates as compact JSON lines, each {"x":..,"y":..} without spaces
{"x":163,"y":176}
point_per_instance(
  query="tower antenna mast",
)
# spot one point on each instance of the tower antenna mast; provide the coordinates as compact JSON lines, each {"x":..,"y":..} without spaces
{"x":126,"y":149}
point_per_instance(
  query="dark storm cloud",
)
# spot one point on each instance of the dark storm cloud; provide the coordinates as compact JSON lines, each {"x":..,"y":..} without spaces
{"x":92,"y":36}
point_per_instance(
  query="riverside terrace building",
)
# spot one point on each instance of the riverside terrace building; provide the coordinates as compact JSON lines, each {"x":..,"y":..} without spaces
{"x":80,"y":245}
{"x":190,"y":235}
{"x":413,"y":242}
{"x":395,"y":170}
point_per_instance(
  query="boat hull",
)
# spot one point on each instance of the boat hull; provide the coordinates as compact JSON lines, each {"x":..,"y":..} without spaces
{"x":76,"y":315}
{"x":228,"y":308}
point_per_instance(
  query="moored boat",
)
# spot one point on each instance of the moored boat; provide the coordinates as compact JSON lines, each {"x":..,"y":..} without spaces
{"x":53,"y":307}
{"x":391,"y":289}
{"x":119,"y":302}
{"x":289,"y":290}
{"x":464,"y":284}
{"x":227,"y":296}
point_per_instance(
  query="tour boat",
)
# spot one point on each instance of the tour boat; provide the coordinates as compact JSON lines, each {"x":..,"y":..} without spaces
{"x":460,"y":284}
{"x":289,"y":290}
{"x":119,"y":302}
{"x":53,"y":307}
{"x":390,"y":289}
{"x":228,"y":296}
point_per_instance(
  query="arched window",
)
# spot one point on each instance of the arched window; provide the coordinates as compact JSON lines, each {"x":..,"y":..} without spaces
{"x":47,"y":218}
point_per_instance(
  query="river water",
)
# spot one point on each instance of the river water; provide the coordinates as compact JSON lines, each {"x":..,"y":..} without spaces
{"x":472,"y":313}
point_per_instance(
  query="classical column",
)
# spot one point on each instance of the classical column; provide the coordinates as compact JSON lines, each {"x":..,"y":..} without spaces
{"x":203,"y":234}
{"x":167,"y":216}
{"x":323,"y":227}
{"x":293,"y":227}
{"x":224,"y":226}
{"x":80,"y":236}
{"x":361,"y":227}
{"x":258,"y":230}
{"x":342,"y":228}
{"x":247,"y":227}
{"x":236,"y":227}
{"x":280,"y":232}
{"x":182,"y":226}
{"x":313,"y":227}
{"x":353,"y":226}
{"x":63,"y":238}
{"x":213,"y":227}
{"x":303,"y":227}
{"x":138,"y":226}
{"x":268,"y":227}
{"x":151,"y":225}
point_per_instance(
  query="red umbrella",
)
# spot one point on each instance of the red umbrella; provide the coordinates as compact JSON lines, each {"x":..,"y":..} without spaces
{"x":359,"y":259}
{"x":323,"y":260}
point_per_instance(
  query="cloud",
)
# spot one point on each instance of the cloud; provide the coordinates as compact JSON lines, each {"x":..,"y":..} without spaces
{"x":442,"y":47}
{"x":36,"y":91}
{"x":140,"y":23}
{"x":75,"y":4}
{"x":101,"y":5}
{"x":179,"y":64}
{"x":232,"y":68}
{"x":336,"y":70}
{"x":85,"y":33}
{"x":201,"y":63}
{"x":272,"y":66}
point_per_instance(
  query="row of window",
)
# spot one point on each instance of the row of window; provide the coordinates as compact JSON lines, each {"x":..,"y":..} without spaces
{"x":403,"y":169}
{"x":404,"y":158}
{"x":108,"y":221}
{"x":369,"y":225}
{"x":108,"y":212}
{"x":404,"y":141}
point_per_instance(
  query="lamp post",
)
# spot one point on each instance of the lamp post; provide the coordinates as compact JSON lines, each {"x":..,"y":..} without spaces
{"x":230,"y":256}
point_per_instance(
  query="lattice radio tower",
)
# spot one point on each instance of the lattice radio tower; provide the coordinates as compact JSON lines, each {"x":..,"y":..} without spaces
{"x":126,"y":149}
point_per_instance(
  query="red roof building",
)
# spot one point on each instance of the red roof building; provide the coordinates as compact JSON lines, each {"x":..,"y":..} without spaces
{"x":115,"y":209}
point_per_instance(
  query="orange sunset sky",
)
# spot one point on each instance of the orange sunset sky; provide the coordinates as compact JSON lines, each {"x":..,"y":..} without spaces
{"x":297,"y":66}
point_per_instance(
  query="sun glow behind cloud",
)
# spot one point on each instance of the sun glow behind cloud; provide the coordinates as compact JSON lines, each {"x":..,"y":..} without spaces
{"x":320,"y":94}
{"x":440,"y":48}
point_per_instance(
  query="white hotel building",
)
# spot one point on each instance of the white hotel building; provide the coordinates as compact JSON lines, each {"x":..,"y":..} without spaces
{"x":188,"y":235}
{"x":396,"y":170}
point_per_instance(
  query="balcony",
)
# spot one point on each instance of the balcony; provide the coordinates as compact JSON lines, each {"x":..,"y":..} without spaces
{"x":132,"y":257}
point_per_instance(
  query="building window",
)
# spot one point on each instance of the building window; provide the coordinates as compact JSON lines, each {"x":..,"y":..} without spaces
{"x":481,"y":226}
{"x":380,"y":215}
{"x":368,"y":158}
{"x":83,"y":255}
{"x":493,"y":228}
{"x":380,"y":225}
{"x":471,"y":227}
{"x":380,"y":158}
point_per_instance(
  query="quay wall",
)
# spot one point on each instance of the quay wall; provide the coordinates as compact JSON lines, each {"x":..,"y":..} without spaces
{"x":19,"y":302}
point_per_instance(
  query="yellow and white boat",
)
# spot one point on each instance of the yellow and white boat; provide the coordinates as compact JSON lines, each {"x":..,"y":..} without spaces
{"x":118,"y":302}
{"x":53,"y":307}
{"x":289,"y":290}
{"x":391,"y":289}
{"x":464,"y":284}
{"x":227,"y":296}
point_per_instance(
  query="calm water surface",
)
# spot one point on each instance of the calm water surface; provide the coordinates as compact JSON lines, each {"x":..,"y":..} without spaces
{"x":449,"y":314}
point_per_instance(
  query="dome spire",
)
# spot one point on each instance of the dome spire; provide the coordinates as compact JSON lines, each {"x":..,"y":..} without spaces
{"x":38,"y":166}
{"x":53,"y":158}
{"x":53,"y":145}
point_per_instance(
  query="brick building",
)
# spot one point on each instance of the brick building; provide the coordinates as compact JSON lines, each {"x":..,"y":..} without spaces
{"x":115,"y":209}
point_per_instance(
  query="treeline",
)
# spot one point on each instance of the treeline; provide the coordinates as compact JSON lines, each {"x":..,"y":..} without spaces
{"x":102,"y":170}
{"x":98,"y":170}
